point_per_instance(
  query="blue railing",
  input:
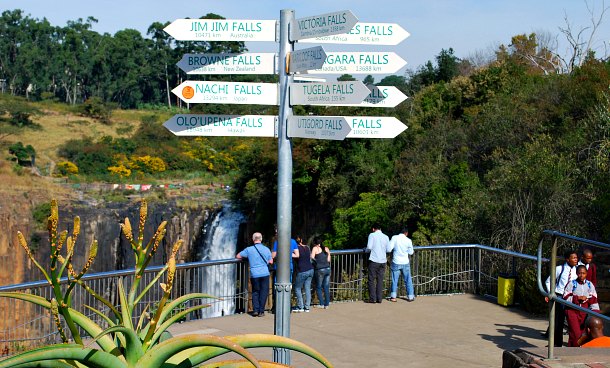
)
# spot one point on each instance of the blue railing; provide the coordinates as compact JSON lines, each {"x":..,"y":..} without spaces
{"x":436,"y":269}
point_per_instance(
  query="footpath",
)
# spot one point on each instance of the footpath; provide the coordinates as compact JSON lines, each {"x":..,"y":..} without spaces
{"x":434,"y":331}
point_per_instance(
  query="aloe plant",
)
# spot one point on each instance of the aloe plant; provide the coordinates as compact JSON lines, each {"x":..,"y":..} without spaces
{"x":134,"y":345}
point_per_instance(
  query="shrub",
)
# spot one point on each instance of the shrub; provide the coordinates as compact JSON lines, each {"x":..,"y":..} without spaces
{"x":65,"y":168}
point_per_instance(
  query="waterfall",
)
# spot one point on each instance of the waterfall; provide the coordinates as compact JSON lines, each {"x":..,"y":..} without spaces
{"x":220,"y":242}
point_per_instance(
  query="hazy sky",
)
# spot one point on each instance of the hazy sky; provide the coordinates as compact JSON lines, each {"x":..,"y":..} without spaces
{"x":467,"y":26}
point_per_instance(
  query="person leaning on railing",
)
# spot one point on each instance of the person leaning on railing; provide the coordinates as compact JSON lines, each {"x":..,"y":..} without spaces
{"x":564,"y":275}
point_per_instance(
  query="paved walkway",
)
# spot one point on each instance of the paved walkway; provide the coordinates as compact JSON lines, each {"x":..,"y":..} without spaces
{"x":434,"y":331}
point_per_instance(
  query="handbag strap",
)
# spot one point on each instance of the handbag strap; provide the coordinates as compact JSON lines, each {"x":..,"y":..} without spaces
{"x":260,"y":254}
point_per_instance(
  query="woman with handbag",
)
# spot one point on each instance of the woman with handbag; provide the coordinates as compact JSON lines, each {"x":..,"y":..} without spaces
{"x":259,"y":257}
{"x":320,"y":256}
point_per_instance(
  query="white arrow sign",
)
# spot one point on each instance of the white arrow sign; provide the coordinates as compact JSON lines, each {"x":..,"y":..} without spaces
{"x":318,"y":127}
{"x":222,"y":30}
{"x":246,"y":63}
{"x":322,"y":25}
{"x":302,"y":60}
{"x":185,"y":125}
{"x":361,"y":63}
{"x":374,"y":127}
{"x":382,"y":96}
{"x":227,"y":92}
{"x":366,"y":34}
{"x":329,"y":93}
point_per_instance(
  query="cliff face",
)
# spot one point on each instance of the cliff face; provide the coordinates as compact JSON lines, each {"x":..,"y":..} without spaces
{"x":99,"y":221}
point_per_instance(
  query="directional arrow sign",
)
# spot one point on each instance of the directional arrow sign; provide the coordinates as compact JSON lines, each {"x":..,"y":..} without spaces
{"x":246,"y":63}
{"x":322,"y":25}
{"x":222,"y":125}
{"x":222,"y":30}
{"x":329,"y":93}
{"x":374,"y":127}
{"x":319,"y":127}
{"x":302,"y":60}
{"x":361,"y":62}
{"x":382,"y":96}
{"x":366,"y":34}
{"x":227,"y":92}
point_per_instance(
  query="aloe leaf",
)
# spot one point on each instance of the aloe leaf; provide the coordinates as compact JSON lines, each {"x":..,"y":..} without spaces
{"x":247,"y":341}
{"x":133,"y":346}
{"x":242,"y":364}
{"x":80,"y":319}
{"x":125,"y":307}
{"x":89,"y":357}
{"x":181,"y":300}
{"x":159,"y":354}
{"x":165,"y":325}
{"x":45,"y":364}
{"x":150,"y":284}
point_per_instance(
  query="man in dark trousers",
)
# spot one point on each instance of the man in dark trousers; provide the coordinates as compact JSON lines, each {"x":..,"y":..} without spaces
{"x":378,"y":245}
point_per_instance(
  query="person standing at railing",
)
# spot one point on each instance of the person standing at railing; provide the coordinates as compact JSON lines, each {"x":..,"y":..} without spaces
{"x":258,"y":256}
{"x":564,"y":274}
{"x":320,"y":256}
{"x":402,"y":248}
{"x":378,"y":245}
{"x":587,"y":260}
{"x":304,"y":276}
{"x":582,"y":293}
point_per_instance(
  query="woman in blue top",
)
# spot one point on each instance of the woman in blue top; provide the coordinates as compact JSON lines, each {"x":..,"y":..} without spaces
{"x":258,"y":257}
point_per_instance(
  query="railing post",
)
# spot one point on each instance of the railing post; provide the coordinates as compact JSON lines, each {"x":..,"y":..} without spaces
{"x":552,"y":327}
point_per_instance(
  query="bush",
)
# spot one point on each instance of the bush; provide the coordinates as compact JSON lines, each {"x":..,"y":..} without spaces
{"x":65,"y":168}
{"x":24,"y":155}
{"x":96,"y":108}
{"x":527,"y":292}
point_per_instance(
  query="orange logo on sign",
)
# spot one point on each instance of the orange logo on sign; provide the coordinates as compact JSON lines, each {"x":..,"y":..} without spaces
{"x":188,"y":92}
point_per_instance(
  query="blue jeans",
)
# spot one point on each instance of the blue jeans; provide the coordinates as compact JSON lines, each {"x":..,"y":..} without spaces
{"x":303,"y":280}
{"x":323,"y":282}
{"x":396,"y":270}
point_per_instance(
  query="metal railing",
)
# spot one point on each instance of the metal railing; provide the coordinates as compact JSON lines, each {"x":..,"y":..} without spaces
{"x":555,"y":236}
{"x":438,"y":269}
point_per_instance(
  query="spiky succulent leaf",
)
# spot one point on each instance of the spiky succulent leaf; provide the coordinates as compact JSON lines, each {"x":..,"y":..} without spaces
{"x":75,"y":352}
{"x":133,"y":345}
{"x":157,"y":355}
{"x":242,"y":364}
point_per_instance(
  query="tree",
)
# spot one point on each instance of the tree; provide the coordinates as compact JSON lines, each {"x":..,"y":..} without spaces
{"x":346,"y":78}
{"x":24,"y":155}
{"x":368,"y":80}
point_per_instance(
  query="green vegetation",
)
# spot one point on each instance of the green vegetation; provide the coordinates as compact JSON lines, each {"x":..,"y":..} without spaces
{"x":121,"y":341}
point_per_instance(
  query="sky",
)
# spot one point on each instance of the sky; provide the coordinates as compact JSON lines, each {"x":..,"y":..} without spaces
{"x":467,"y":26}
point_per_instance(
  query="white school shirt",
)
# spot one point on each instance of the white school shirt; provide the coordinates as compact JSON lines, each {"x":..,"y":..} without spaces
{"x":562,"y":278}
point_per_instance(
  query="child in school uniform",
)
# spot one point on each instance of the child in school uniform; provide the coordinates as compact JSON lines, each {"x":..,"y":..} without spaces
{"x":582,"y":293}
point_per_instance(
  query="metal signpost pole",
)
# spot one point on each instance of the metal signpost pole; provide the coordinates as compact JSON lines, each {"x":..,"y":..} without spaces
{"x":283,"y":286}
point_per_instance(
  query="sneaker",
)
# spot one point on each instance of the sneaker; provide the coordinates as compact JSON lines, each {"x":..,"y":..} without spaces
{"x":255,"y":314}
{"x":306,"y":310}
{"x":319,"y":306}
{"x":297,"y":310}
{"x":261,"y":314}
{"x":326,"y":306}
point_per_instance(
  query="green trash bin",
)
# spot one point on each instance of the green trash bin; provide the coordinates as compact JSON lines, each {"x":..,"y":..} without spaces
{"x":506,"y":289}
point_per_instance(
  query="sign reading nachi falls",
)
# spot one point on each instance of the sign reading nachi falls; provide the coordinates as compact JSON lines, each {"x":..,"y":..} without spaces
{"x":227,"y":92}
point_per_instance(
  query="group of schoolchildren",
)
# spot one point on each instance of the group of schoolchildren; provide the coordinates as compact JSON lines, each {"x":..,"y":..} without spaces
{"x":575,"y":282}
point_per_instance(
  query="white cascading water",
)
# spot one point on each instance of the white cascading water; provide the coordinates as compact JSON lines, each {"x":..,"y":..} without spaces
{"x":220,"y":242}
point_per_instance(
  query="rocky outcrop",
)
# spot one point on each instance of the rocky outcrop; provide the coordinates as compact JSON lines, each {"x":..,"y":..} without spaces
{"x":100,"y":221}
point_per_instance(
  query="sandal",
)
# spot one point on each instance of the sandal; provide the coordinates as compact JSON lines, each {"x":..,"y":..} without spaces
{"x":393,"y":300}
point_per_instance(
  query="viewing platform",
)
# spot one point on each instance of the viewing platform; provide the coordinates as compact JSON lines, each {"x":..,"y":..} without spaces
{"x":433,"y":331}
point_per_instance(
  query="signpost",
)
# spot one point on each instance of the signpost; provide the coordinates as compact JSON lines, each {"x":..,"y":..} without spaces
{"x":222,"y":30}
{"x":246,"y":63}
{"x":227,"y":92}
{"x":306,"y":59}
{"x":322,"y":25}
{"x":318,"y":127}
{"x":185,"y":125}
{"x":336,"y":27}
{"x":374,"y":126}
{"x":361,"y":63}
{"x":366,"y":34}
{"x":337,"y":93}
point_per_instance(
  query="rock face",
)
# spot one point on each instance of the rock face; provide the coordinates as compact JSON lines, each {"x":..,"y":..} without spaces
{"x":98,"y":221}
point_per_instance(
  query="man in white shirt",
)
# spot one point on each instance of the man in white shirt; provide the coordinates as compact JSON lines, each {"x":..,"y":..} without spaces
{"x":564,"y":274}
{"x":378,"y":244}
{"x":403,"y":248}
